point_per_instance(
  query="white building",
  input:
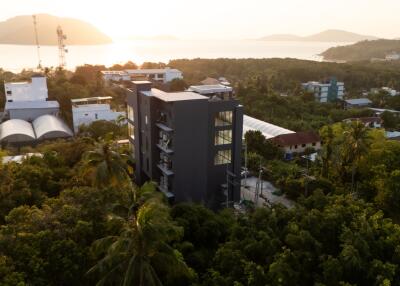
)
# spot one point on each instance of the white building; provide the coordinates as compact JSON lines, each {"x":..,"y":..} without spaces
{"x":28,"y":100}
{"x":392,"y":57}
{"x":371,"y":122}
{"x":357,"y":103}
{"x":115,"y":76}
{"x":321,"y":90}
{"x":88,"y":110}
{"x":390,"y":91}
{"x":36,"y":90}
{"x":161,"y":75}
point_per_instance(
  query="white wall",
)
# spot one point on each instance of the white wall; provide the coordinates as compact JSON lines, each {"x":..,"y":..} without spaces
{"x":171,"y":75}
{"x":300,"y":148}
{"x":33,"y":91}
{"x":86,"y":114}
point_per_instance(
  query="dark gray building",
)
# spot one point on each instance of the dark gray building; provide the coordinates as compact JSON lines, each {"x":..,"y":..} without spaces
{"x":188,"y":142}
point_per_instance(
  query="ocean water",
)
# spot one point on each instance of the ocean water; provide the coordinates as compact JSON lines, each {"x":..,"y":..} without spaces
{"x":17,"y":57}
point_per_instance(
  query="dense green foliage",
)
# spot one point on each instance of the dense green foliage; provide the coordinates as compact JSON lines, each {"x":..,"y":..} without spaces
{"x":73,"y":217}
{"x":363,"y":51}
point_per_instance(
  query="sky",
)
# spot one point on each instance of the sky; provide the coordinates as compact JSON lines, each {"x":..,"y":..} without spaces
{"x":220,"y":19}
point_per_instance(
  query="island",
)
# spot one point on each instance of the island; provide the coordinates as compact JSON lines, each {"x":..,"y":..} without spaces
{"x":20,"y":31}
{"x":324,"y":36}
{"x":385,"y":50}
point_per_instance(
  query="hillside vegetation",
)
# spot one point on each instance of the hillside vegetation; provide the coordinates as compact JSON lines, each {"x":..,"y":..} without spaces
{"x":362,"y":51}
{"x":20,"y":31}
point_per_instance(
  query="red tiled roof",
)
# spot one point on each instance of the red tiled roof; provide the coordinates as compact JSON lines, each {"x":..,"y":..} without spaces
{"x":296,"y":138}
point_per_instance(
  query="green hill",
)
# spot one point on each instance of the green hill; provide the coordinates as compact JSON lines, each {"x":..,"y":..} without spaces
{"x":362,"y":51}
{"x":20,"y":31}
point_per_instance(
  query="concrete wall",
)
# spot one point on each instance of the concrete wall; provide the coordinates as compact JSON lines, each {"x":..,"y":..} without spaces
{"x":30,"y":114}
{"x":33,"y":91}
{"x":86,"y":114}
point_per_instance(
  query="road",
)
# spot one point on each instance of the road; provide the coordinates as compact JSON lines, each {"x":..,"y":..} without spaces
{"x":266,"y":196}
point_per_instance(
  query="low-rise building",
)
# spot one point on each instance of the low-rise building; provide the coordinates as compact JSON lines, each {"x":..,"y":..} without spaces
{"x":28,"y":100}
{"x":35,"y":90}
{"x":88,"y":110}
{"x":371,"y":122}
{"x":297,"y":143}
{"x":214,"y":81}
{"x":326,"y":91}
{"x":392,"y":57}
{"x":157,"y":75}
{"x":115,"y":76}
{"x":357,"y":103}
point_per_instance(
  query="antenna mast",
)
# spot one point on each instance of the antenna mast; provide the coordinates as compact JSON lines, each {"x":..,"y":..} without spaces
{"x":37,"y":42}
{"x":61,"y":47}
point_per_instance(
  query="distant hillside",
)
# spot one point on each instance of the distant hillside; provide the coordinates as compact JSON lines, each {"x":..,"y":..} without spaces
{"x":20,"y":31}
{"x":282,"y":37}
{"x":325,"y":36}
{"x":154,"y":38}
{"x":362,"y":51}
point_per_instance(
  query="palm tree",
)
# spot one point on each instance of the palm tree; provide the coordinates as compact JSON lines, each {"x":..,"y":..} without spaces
{"x":356,"y":146}
{"x":106,"y":165}
{"x":141,"y":252}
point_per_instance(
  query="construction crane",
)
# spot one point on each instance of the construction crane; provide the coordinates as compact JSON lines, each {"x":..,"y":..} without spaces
{"x":61,"y":47}
{"x":37,"y":42}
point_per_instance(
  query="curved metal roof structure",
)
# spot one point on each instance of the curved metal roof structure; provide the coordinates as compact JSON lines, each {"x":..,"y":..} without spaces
{"x":16,"y":130}
{"x":267,"y":129}
{"x":48,"y":127}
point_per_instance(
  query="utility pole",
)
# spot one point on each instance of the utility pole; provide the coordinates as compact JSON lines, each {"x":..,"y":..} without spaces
{"x":39,"y":66}
{"x":259,"y":186}
{"x":245,"y":165}
{"x":61,"y":47}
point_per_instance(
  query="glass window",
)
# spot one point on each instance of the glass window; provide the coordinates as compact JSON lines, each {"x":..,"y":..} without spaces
{"x":223,"y":157}
{"x":223,"y":137}
{"x":131,"y":113}
{"x":131,"y":130}
{"x":8,"y":92}
{"x":223,"y":118}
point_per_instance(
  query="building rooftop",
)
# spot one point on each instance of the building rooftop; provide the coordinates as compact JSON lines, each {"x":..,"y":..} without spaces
{"x":174,"y":96}
{"x":357,"y":101}
{"x":151,"y":71}
{"x":89,"y":99}
{"x":365,"y":119}
{"x":267,"y":129}
{"x":114,"y":72}
{"x":381,"y":110}
{"x":31,"y":104}
{"x":210,"y":89}
{"x":297,"y":138}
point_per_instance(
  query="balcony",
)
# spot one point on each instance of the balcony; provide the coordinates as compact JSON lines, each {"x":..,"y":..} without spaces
{"x":164,"y":127}
{"x":165,"y":148}
{"x":165,"y":169}
{"x":166,"y":192}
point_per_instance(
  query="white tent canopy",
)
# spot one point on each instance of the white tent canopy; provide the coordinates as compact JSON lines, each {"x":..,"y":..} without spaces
{"x":48,"y":126}
{"x":44,"y":127}
{"x":267,"y":129}
{"x":16,"y":130}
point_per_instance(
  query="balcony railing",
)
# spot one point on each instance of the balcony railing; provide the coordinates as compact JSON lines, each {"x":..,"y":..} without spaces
{"x":165,"y":169}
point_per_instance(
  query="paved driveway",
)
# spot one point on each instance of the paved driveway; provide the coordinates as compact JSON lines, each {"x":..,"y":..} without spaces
{"x":266,"y":196}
